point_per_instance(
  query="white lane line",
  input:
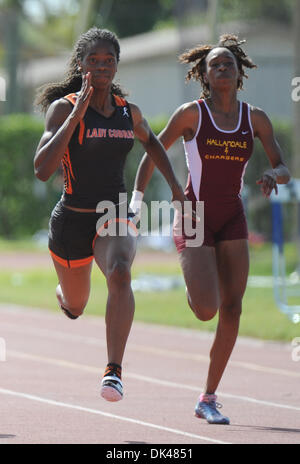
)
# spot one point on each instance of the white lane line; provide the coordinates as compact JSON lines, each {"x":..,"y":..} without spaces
{"x":53,"y":334}
{"x":109,"y":415}
{"x":57,"y":335}
{"x":143,"y":378}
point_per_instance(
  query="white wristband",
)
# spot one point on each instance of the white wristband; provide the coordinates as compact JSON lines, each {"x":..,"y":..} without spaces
{"x":136,"y":201}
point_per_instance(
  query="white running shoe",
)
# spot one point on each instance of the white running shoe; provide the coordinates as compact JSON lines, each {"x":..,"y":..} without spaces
{"x":111,"y":385}
{"x":112,"y":388}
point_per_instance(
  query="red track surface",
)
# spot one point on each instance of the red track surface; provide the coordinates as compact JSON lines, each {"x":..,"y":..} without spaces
{"x":49,"y":386}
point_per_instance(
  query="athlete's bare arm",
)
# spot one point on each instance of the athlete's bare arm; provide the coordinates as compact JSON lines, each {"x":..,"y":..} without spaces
{"x":279,"y":174}
{"x":61,"y":121}
{"x":156,"y":151}
{"x":183,"y":123}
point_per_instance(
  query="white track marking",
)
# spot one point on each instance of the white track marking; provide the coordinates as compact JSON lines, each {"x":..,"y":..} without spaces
{"x":109,"y":415}
{"x":54,"y":334}
{"x":39,"y":332}
{"x":143,"y":378}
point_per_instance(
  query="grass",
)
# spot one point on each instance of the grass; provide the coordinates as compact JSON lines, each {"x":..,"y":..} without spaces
{"x":260,"y":318}
{"x":25,"y":245}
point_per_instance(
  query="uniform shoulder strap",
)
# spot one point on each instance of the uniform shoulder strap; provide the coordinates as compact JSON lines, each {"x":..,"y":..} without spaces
{"x":71,"y":97}
{"x":119,"y":100}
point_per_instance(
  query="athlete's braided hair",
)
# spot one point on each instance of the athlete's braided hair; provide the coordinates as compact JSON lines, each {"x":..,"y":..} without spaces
{"x":198,"y":56}
{"x":72,"y":81}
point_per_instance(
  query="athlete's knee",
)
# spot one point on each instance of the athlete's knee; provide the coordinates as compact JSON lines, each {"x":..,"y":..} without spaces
{"x":231,"y":309}
{"x":74,"y":303}
{"x":76,"y":307}
{"x":201,"y":311}
{"x":205,"y":314}
{"x":119,"y":273}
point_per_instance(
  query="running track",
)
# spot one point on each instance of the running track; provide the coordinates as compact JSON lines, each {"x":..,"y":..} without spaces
{"x":49,"y":387}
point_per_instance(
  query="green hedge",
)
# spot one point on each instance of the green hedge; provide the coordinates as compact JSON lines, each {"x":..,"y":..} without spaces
{"x":259,"y":215}
{"x":26,"y":203}
{"x":259,"y":212}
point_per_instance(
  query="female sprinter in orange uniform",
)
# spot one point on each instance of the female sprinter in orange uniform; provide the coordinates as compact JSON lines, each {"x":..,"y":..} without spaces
{"x":90,"y":129}
{"x":218,"y":132}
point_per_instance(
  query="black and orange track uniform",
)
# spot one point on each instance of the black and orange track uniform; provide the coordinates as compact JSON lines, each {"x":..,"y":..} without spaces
{"x":93,"y":168}
{"x":94,"y":161}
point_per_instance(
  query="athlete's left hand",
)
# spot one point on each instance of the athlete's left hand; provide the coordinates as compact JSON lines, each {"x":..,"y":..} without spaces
{"x":268,"y":183}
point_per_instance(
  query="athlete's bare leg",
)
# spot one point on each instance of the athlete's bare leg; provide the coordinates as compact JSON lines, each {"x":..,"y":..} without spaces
{"x":74,"y":287}
{"x":217,"y":277}
{"x":200,"y":272}
{"x":114,"y":256}
{"x":233,"y":266}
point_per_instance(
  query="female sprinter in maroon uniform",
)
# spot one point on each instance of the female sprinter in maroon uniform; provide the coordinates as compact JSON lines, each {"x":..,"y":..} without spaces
{"x":218,"y":132}
{"x":90,"y":129}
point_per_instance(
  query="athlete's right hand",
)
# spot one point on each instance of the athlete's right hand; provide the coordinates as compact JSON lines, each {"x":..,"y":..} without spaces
{"x":135,"y":205}
{"x":84,"y":96}
{"x":268,"y":182}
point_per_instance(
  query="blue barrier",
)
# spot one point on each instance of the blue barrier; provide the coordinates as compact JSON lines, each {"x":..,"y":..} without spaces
{"x":283,"y":287}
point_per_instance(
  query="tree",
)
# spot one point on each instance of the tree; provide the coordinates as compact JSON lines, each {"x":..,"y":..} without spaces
{"x":257,"y":9}
{"x":131,"y":17}
{"x":11,"y":10}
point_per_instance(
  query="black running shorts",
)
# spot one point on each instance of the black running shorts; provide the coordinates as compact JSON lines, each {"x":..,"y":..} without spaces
{"x":72,"y":234}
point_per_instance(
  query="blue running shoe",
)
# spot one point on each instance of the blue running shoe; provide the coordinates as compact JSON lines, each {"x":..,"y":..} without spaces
{"x":207,"y":408}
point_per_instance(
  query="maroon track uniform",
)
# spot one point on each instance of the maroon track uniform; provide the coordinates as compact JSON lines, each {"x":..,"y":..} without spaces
{"x":217,"y":161}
